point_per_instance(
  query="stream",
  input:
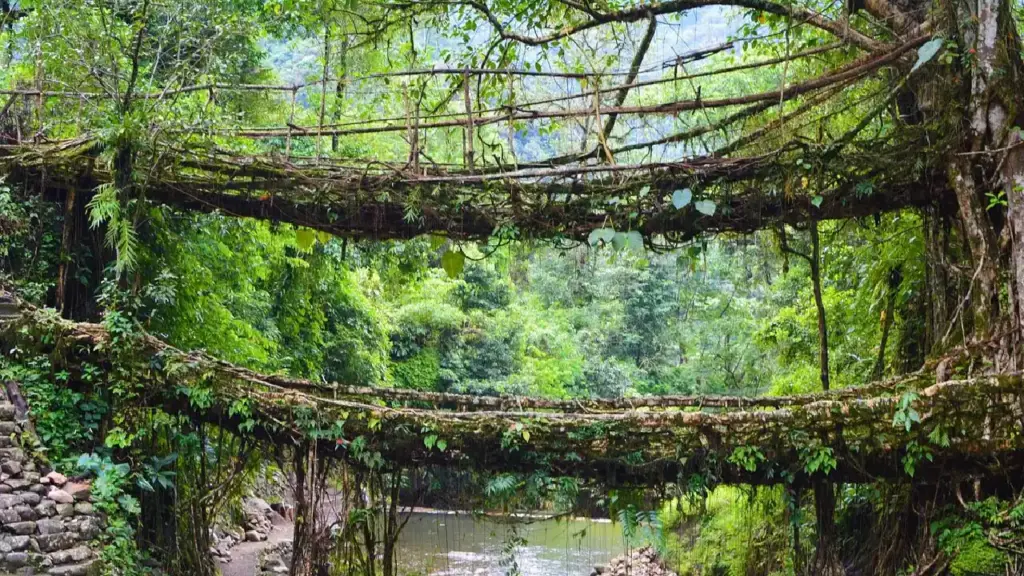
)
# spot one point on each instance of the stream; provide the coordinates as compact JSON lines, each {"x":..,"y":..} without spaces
{"x":450,"y":544}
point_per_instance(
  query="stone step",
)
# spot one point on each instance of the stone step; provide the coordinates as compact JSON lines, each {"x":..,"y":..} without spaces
{"x":71,"y":569}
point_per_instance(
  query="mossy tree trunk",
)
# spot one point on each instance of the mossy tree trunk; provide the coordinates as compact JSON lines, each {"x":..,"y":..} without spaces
{"x":986,"y":168}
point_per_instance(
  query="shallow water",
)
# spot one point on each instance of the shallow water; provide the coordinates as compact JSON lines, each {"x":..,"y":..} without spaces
{"x":461,"y":545}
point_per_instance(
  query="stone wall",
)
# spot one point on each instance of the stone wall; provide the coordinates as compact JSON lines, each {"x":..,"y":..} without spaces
{"x":46,"y":522}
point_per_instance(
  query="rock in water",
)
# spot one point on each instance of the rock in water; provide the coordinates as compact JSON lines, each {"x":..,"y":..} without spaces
{"x":641,"y":562}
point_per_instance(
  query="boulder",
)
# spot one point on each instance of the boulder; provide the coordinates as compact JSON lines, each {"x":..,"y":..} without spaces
{"x":275,"y":559}
{"x":9,"y":501}
{"x":72,"y":569}
{"x":60,"y":496}
{"x":50,"y":526}
{"x":16,"y":559}
{"x":256,"y":517}
{"x":21,"y":528}
{"x":53,"y":542}
{"x":78,"y":490}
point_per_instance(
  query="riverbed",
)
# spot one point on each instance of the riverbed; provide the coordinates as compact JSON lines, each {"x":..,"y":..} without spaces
{"x":451,"y":544}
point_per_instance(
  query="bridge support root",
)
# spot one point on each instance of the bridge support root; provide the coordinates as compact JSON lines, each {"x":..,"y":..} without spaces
{"x":308,"y":558}
{"x":826,"y":560}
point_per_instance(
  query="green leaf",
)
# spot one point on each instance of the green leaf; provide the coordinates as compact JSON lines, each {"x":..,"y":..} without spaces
{"x":129,"y":504}
{"x":635,"y":241}
{"x":526,"y":435}
{"x":437,"y":240}
{"x":706,"y":207}
{"x":304,"y":239}
{"x":927,"y":52}
{"x":323,"y":237}
{"x":600,"y":234}
{"x":817,"y":200}
{"x":442,"y":444}
{"x":619,"y":240}
{"x":645,"y":191}
{"x":681,"y":198}
{"x":453,"y":263}
{"x":430,"y":441}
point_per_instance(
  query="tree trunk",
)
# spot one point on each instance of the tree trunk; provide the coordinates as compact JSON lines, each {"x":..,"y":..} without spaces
{"x":798,"y":554}
{"x":826,"y":556}
{"x":339,"y":88}
{"x":305,"y":512}
{"x":1014,"y":186}
{"x":981,"y":239}
{"x":993,"y":71}
{"x":815,"y":262}
{"x":895,"y":278}
{"x":67,"y":238}
{"x":938,"y":282}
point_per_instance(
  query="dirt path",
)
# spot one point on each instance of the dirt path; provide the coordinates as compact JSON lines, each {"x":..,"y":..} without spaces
{"x":245,"y":556}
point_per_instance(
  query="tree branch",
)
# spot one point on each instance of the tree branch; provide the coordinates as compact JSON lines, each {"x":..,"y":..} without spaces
{"x":838,"y":29}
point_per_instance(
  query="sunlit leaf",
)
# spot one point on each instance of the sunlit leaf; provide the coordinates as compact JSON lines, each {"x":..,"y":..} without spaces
{"x":682,"y":197}
{"x":437,"y":240}
{"x":706,"y":207}
{"x":601,"y":234}
{"x":634,"y":240}
{"x":304,"y":239}
{"x":926,"y":52}
{"x":453,"y":262}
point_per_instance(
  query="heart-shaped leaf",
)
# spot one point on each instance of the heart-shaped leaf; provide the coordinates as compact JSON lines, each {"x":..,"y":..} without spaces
{"x":599,"y":235}
{"x":453,"y":263}
{"x":682,"y":197}
{"x":635,"y":241}
{"x":705,"y":207}
{"x":304,"y":239}
{"x":816,"y":201}
{"x":619,"y":241}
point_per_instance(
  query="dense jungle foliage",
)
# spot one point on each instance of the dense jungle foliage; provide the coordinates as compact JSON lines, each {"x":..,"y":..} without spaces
{"x":534,"y":310}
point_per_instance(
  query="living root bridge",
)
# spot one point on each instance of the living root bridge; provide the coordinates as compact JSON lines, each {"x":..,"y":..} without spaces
{"x":968,"y":428}
{"x":392,"y":201}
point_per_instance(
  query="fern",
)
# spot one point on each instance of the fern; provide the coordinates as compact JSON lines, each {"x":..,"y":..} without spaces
{"x":105,"y":207}
{"x":502,"y":485}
